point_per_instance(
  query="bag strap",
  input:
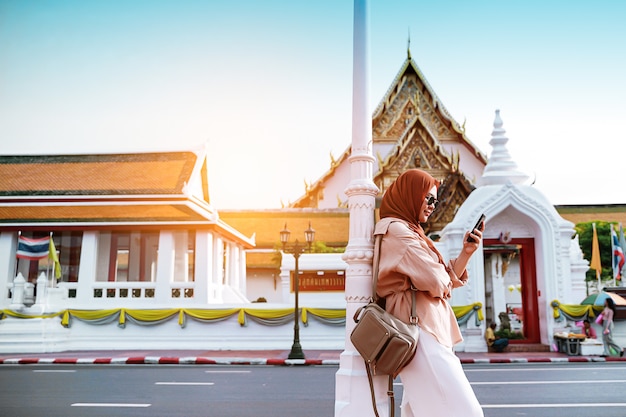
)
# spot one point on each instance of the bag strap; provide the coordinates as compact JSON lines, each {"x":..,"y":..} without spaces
{"x":376,"y":262}
{"x":413,"y":319}
{"x":390,"y":394}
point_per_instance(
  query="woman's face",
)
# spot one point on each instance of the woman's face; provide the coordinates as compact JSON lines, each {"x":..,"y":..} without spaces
{"x":427,"y":209}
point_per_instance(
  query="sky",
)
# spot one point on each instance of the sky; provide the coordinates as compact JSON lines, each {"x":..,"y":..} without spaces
{"x":266,"y":86}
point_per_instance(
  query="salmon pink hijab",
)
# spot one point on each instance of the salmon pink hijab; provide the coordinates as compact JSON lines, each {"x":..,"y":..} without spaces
{"x":404,"y":198}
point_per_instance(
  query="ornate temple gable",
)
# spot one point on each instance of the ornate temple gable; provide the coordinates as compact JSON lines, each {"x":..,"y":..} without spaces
{"x":453,"y":191}
{"x":408,"y":102}
{"x":418,"y":149}
{"x":410,"y":129}
{"x":410,"y":97}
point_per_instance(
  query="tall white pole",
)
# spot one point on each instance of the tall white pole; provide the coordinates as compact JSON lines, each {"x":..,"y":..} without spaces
{"x":352,"y":393}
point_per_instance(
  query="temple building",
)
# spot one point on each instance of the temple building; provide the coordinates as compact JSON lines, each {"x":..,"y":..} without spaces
{"x":135,"y":226}
{"x":137,"y":242}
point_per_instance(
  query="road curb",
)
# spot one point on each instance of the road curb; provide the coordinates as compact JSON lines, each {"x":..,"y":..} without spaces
{"x":157,"y":360}
{"x":540,"y":360}
{"x":202,"y":360}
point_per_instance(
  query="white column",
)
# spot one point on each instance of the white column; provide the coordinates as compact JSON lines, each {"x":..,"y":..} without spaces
{"x":94,"y":262}
{"x":181,"y":260}
{"x":102,"y":254}
{"x":42,"y":290}
{"x":234,"y":268}
{"x":203,"y":261}
{"x":241,"y":270}
{"x":165,"y":267}
{"x":352,"y":393}
{"x":218,"y":268}
{"x":134,"y":256}
{"x":8,"y":246}
{"x":210,"y":278}
{"x":231,"y":272}
{"x":17,"y":292}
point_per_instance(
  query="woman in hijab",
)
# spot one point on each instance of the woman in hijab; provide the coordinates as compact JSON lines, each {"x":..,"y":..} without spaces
{"x":434,"y":382}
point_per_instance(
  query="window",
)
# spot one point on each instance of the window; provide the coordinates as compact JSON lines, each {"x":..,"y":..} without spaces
{"x":68,"y":245}
{"x":184,"y":256}
{"x":128,"y":256}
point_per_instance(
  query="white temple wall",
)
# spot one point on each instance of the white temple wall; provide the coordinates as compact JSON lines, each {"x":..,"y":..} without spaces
{"x":263,"y":284}
{"x":469,"y":164}
{"x":335,"y":187}
{"x":318,"y":262}
{"x":48,"y":335}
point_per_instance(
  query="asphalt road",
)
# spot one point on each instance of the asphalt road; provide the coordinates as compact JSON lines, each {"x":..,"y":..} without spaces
{"x":537,"y":390}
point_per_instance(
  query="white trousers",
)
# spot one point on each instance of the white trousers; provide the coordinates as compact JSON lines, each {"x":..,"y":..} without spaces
{"x":435,"y":384}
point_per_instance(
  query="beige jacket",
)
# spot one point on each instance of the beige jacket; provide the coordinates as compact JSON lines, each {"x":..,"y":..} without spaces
{"x":405,"y":261}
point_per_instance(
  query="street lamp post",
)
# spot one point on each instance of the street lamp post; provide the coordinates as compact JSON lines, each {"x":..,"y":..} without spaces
{"x":296,"y":249}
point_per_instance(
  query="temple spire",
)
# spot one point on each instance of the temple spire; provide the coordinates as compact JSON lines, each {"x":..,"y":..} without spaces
{"x":408,"y":46}
{"x":501,"y":168}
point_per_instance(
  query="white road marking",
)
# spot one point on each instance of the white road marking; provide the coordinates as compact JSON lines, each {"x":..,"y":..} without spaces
{"x":552,"y":369}
{"x":227,"y":372}
{"x":591,"y":381}
{"x":569,"y":405}
{"x":53,"y":370}
{"x":184,"y":383}
{"x":110,"y":405}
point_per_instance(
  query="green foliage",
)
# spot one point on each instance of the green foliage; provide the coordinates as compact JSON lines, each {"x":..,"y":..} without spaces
{"x":585,"y":240}
{"x":509,"y":334}
{"x":316,"y":247}
{"x":320,"y":247}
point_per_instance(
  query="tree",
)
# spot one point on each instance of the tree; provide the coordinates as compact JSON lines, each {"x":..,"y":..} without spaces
{"x":585,"y":237}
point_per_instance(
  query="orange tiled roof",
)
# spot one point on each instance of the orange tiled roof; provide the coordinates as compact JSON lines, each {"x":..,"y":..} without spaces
{"x":74,"y":213}
{"x":117,"y":174}
{"x":331,"y":225}
{"x":261,"y":260}
{"x":590,"y":213}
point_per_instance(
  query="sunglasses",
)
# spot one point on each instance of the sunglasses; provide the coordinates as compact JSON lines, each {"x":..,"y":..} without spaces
{"x":432,"y":201}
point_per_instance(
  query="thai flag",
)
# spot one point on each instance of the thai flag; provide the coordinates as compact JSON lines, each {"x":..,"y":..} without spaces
{"x":618,"y":255}
{"x":32,"y":249}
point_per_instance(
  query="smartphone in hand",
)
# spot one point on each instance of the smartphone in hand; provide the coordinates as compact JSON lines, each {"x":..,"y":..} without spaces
{"x":478,"y":225}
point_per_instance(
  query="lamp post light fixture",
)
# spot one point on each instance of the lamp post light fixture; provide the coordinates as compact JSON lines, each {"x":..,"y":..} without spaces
{"x":296,"y":249}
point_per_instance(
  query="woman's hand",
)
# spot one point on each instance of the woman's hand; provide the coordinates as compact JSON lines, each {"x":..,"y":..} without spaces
{"x":470,"y":247}
{"x":468,"y":250}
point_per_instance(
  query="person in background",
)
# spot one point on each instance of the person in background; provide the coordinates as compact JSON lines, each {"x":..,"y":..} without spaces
{"x":434,"y":382}
{"x":497,"y":343}
{"x":607,"y":328}
{"x":588,"y":331}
